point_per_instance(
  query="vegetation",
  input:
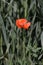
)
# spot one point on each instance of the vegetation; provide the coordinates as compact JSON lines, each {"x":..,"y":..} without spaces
{"x":20,"y":46}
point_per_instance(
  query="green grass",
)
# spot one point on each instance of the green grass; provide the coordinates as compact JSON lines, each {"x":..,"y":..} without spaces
{"x":20,"y":46}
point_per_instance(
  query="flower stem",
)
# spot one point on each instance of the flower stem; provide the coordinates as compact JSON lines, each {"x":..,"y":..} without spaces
{"x":25,"y":8}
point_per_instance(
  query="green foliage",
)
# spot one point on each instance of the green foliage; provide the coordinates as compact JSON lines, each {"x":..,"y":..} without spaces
{"x":19,"y":46}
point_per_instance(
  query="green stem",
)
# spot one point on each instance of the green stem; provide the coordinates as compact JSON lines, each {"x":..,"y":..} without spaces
{"x":25,"y":7}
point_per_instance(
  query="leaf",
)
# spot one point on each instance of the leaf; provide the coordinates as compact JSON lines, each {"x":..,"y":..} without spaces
{"x":31,"y":5}
{"x":3,"y":30}
{"x":35,"y":55}
{"x":35,"y":50}
{"x":42,"y":40}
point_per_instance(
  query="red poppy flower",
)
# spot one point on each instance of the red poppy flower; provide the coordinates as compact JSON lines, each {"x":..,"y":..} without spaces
{"x":22,"y":23}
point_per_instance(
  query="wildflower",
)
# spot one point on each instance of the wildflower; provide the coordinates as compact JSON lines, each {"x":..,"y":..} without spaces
{"x":22,"y":23}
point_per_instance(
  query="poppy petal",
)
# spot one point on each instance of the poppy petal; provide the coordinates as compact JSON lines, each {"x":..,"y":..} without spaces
{"x":27,"y":25}
{"x":17,"y":24}
{"x":22,"y":21}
